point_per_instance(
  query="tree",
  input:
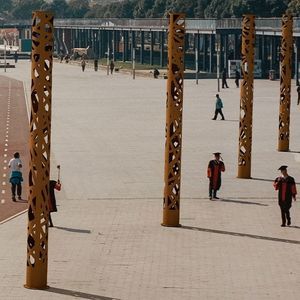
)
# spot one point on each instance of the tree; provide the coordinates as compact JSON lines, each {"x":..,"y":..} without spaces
{"x":60,"y":8}
{"x":218,"y":9}
{"x":158,"y":9}
{"x":78,"y":8}
{"x":23,"y":8}
{"x":294,"y":7}
{"x":142,"y":8}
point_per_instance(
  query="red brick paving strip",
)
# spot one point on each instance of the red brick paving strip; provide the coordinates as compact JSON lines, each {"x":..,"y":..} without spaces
{"x":14,"y":136}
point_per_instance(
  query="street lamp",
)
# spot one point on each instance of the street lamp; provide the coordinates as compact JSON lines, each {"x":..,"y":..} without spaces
{"x":296,"y":62}
{"x":133,"y":63}
{"x":4,"y":54}
{"x":218,"y":47}
{"x":197,"y":64}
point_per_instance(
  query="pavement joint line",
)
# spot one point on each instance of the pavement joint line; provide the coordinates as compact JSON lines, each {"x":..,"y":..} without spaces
{"x":14,"y":216}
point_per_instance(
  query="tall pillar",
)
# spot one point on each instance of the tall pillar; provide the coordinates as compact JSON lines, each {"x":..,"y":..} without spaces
{"x":211,"y":52}
{"x":246,"y":104}
{"x":142,"y":38}
{"x":173,"y":145}
{"x":204,"y":52}
{"x":40,"y":134}
{"x":151,"y":47}
{"x":285,"y":82}
{"x":162,"y":44}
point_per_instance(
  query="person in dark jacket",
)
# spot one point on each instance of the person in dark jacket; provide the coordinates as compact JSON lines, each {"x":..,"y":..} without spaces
{"x":112,"y":67}
{"x":286,"y":187}
{"x":237,"y":78}
{"x":298,"y":94}
{"x":218,"y":109}
{"x":53,"y":185}
{"x":214,"y":170}
{"x":224,"y":77}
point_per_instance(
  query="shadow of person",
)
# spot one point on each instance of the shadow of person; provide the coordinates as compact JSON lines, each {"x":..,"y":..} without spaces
{"x":243,"y":202}
{"x":77,"y":294}
{"x":73,"y":229}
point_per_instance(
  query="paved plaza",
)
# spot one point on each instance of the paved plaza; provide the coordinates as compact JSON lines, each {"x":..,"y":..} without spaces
{"x":107,"y":243}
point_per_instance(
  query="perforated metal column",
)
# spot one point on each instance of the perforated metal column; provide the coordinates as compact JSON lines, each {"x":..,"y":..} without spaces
{"x":173,"y":146}
{"x":40,"y":132}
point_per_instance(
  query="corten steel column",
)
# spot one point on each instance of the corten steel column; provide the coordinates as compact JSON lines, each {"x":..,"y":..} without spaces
{"x":285,"y":82}
{"x":174,"y":120}
{"x":246,"y":104}
{"x":40,"y":130}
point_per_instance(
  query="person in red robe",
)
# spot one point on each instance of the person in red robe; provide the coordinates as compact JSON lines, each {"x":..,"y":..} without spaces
{"x":53,"y":185}
{"x":214,"y":170}
{"x":286,"y":187}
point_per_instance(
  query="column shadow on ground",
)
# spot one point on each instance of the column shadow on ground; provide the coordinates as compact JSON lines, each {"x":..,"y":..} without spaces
{"x":239,"y":234}
{"x":73,"y":229}
{"x":77,"y":294}
{"x":242,"y":202}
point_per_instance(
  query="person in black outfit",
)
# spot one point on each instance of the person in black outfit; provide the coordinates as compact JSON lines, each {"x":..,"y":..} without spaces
{"x":298,"y":92}
{"x":214,"y":169}
{"x":53,"y":185}
{"x":224,"y":77}
{"x":237,"y":78}
{"x":286,"y":187}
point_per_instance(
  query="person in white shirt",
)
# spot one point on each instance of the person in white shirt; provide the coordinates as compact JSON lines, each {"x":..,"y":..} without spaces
{"x":15,"y":165}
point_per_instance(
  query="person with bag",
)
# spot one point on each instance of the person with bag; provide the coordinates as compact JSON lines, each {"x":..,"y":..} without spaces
{"x":16,"y":178}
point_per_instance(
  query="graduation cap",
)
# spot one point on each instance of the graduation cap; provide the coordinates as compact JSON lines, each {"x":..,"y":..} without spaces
{"x":217,"y":153}
{"x":282,"y":168}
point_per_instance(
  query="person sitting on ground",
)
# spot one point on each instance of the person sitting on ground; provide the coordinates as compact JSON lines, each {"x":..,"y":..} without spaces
{"x":155,"y":73}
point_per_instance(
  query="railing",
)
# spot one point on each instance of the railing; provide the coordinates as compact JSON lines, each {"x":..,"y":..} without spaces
{"x":273,"y":24}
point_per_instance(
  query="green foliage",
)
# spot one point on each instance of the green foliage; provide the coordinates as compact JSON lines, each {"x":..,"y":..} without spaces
{"x":294,"y":7}
{"x":60,"y":8}
{"x":150,"y":8}
{"x":78,"y":8}
{"x":23,"y":8}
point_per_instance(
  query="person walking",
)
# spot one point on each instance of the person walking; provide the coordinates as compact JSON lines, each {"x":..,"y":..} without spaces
{"x":219,"y":106}
{"x":298,"y":93}
{"x":83,"y":64}
{"x":214,"y":170}
{"x":224,"y":79}
{"x":15,"y":165}
{"x":286,"y":187}
{"x":237,"y":78}
{"x":112,"y":67}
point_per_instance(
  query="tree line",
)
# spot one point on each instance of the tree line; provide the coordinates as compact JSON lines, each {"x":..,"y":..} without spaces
{"x":21,"y":9}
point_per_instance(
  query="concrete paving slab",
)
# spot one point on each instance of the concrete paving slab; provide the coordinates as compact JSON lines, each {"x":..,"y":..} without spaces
{"x":108,"y":136}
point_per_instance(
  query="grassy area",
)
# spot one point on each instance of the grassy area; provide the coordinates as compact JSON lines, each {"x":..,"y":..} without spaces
{"x":128,"y":65}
